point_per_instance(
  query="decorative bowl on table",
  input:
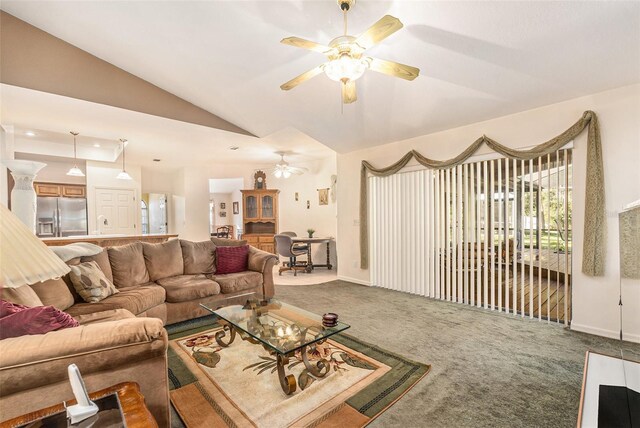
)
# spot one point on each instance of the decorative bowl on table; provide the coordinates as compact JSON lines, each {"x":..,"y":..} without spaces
{"x":330,"y":319}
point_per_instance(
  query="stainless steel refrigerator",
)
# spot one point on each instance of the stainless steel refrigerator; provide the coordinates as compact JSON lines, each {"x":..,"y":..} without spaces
{"x":61,"y":217}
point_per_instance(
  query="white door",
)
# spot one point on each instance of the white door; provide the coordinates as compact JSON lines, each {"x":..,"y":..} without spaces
{"x":116,"y":210}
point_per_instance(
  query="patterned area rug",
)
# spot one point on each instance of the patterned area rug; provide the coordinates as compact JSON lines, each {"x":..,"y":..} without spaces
{"x":238,"y":386}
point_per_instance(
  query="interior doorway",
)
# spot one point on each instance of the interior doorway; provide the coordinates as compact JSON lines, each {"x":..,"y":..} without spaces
{"x":225,"y":207}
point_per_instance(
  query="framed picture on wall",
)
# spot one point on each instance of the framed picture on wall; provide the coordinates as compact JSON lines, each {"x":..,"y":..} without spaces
{"x":223,"y":205}
{"x":323,"y":196}
{"x":236,"y":208}
{"x":223,"y":213}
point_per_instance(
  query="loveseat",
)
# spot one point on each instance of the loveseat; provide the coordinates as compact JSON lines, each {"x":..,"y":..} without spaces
{"x":122,"y":337}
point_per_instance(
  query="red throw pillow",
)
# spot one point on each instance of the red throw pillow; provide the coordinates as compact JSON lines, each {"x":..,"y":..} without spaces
{"x":8,"y":308}
{"x":232,"y":259}
{"x":20,"y":320}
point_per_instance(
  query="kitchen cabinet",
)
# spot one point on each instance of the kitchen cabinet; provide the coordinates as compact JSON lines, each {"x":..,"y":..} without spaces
{"x":60,"y":189}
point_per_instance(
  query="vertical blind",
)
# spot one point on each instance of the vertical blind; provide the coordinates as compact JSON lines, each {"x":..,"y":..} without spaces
{"x":494,"y":234}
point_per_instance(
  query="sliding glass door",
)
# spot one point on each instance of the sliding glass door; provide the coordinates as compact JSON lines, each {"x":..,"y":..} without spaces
{"x":493,"y":233}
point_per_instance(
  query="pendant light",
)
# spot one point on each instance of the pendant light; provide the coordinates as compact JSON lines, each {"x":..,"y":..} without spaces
{"x":123,"y":175}
{"x":75,"y":171}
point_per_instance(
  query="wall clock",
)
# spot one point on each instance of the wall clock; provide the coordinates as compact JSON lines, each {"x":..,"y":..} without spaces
{"x":259,"y":180}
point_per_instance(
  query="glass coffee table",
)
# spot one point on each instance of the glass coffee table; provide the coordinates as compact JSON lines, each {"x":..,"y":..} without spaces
{"x":280,"y":328}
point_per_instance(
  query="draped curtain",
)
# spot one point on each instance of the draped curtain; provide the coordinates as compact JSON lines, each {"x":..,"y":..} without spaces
{"x":594,"y":218}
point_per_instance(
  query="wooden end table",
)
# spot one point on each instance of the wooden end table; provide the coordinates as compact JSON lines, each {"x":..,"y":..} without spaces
{"x":134,"y":410}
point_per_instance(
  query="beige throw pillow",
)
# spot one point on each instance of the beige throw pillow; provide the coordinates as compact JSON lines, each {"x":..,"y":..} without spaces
{"x":198,"y":257}
{"x":90,"y":282}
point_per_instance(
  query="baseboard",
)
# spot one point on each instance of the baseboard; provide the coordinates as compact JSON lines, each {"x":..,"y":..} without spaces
{"x":357,"y":281}
{"x":606,"y":333}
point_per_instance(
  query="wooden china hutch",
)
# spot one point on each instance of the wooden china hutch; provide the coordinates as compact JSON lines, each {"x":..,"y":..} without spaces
{"x":260,"y":218}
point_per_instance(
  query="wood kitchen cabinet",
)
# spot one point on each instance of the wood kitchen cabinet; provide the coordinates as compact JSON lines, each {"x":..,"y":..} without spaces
{"x":47,"y":189}
{"x":260,"y":217}
{"x":60,"y":189}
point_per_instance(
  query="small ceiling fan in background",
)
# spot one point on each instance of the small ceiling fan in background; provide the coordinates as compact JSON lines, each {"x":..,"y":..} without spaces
{"x":284,"y":170}
{"x":345,"y":53}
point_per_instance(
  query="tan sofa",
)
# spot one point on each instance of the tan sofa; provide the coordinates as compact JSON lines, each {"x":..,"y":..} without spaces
{"x":121,"y":338}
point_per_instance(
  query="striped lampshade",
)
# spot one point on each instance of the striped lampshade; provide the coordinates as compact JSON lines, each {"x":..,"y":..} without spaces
{"x":24,"y":259}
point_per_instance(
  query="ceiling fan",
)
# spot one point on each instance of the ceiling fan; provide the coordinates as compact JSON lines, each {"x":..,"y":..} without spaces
{"x":345,"y":53}
{"x":284,"y":170}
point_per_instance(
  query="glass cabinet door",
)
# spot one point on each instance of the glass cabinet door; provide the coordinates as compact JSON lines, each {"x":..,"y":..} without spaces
{"x":267,"y":206}
{"x":251,"y":207}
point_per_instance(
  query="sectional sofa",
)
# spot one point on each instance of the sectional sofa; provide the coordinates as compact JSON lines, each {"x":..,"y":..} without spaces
{"x":121,"y":338}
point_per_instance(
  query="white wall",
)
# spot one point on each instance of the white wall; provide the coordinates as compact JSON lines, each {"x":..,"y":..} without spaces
{"x":103,"y":174}
{"x":171,"y":184}
{"x":595,"y":300}
{"x":294,"y":215}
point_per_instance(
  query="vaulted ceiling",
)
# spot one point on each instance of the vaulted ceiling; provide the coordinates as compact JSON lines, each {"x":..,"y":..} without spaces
{"x":478,"y":60}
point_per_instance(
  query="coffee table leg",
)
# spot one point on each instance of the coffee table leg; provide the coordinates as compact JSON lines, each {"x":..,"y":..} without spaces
{"x":222,"y":333}
{"x":287,"y":382}
{"x":319,"y":369}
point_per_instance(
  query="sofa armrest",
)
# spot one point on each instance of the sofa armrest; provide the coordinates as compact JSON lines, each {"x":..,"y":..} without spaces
{"x":263,"y":262}
{"x":258,"y":259}
{"x":31,"y":361}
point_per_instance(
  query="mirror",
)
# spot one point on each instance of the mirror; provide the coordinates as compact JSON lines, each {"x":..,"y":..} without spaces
{"x":154,"y":213}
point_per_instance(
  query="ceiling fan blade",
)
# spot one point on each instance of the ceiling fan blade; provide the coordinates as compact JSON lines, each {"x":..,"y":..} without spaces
{"x":305,"y":44}
{"x":298,"y":170}
{"x":386,"y":26}
{"x":349,"y":94}
{"x":395,"y":69}
{"x":302,"y":78}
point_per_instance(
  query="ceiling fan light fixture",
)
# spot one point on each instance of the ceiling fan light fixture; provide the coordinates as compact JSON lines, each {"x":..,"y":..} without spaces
{"x":345,"y":68}
{"x":277,"y":172}
{"x":286,"y":173}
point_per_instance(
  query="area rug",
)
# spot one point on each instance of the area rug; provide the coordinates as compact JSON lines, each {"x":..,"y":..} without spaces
{"x":238,"y":386}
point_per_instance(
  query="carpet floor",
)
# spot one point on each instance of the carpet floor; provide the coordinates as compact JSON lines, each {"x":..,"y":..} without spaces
{"x":488,"y":369}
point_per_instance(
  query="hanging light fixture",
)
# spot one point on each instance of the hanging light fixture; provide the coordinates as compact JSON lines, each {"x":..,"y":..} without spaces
{"x":123,"y":175}
{"x":75,"y":171}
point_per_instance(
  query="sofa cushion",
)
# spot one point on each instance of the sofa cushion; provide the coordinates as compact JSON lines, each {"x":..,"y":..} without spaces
{"x":90,"y":282}
{"x":20,"y":320}
{"x":135,"y":299}
{"x":24,"y":295}
{"x":163,"y":260}
{"x":54,"y":292}
{"x":103,"y":316}
{"x":232,"y":282}
{"x":232,"y":259}
{"x":198,"y":257}
{"x":127,"y":265}
{"x":183,"y":288}
{"x":222,"y":242}
{"x":102,"y":259}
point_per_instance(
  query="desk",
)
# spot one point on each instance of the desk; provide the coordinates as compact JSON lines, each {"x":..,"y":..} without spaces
{"x":310,"y":242}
